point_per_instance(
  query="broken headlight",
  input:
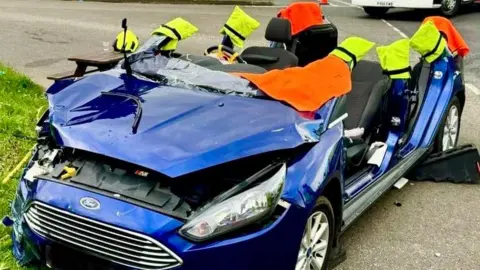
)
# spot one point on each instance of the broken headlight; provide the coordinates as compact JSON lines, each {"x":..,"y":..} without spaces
{"x":238,"y":211}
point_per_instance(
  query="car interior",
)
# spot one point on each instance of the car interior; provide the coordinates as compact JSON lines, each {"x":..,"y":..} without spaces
{"x":364,"y":104}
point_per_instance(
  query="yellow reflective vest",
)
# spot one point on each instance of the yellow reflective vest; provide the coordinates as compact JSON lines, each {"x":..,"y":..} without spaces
{"x":176,"y":29}
{"x":131,"y":42}
{"x":239,"y":26}
{"x":428,"y":42}
{"x":395,"y":59}
{"x":352,"y":49}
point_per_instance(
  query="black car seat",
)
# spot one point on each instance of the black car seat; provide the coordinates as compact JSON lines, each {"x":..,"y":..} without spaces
{"x":201,"y":60}
{"x":364,"y":107}
{"x":314,"y":43}
{"x":246,"y":68}
{"x":278,"y":30}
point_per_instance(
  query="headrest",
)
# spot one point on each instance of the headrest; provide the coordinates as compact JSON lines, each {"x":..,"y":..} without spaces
{"x":302,"y":15}
{"x":279,"y":30}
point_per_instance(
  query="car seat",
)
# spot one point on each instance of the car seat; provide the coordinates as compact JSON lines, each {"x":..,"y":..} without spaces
{"x":314,"y":43}
{"x":238,"y":68}
{"x":278,"y":30}
{"x":364,"y":105}
{"x":201,"y":60}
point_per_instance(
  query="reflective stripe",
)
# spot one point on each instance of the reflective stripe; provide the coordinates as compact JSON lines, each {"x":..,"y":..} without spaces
{"x":434,"y":48}
{"x":174,"y":31}
{"x":352,"y":49}
{"x":428,"y":42}
{"x":455,"y":41}
{"x":234,"y":32}
{"x":351,"y":55}
{"x":239,"y":27}
{"x":395,"y":59}
{"x":397,"y":71}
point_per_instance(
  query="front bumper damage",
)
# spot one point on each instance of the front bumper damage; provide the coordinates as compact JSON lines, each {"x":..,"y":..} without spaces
{"x":24,"y":244}
{"x":247,"y":250}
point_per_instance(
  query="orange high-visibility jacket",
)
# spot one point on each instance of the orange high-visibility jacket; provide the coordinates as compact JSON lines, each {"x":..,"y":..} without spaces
{"x":306,"y":88}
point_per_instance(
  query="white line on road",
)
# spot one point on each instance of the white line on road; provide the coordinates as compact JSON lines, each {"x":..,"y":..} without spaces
{"x":346,"y":3}
{"x":473,"y":89}
{"x":395,"y":29}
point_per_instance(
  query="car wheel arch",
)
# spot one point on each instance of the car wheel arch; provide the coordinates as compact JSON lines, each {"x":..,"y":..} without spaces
{"x":461,"y":97}
{"x":333,"y":192}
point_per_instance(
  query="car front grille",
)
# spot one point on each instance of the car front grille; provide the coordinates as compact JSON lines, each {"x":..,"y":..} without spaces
{"x":105,"y":241}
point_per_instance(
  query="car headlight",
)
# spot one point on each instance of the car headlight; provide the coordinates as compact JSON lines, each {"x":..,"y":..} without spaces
{"x":240,"y":210}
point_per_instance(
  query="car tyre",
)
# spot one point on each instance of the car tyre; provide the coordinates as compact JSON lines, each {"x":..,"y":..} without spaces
{"x":317,"y":239}
{"x":376,"y":12}
{"x":450,"y":8}
{"x":450,"y":124}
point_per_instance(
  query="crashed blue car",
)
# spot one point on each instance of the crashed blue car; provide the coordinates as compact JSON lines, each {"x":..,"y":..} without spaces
{"x":180,"y":166}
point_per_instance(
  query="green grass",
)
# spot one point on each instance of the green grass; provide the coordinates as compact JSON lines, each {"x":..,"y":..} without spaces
{"x":20,"y":101}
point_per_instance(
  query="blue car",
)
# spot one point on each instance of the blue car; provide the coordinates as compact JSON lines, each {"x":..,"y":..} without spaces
{"x":177,"y":164}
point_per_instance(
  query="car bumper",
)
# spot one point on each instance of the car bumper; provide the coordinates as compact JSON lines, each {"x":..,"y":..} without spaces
{"x":274,"y":246}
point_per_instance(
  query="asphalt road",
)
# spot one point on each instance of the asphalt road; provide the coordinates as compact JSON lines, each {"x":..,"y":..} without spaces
{"x":437,"y":226}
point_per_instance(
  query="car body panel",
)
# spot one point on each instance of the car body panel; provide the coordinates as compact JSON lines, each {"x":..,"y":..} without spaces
{"x":215,"y":254}
{"x":310,"y":173}
{"x":184,"y":130}
{"x":437,"y":97}
{"x":180,"y":131}
{"x":368,"y":187}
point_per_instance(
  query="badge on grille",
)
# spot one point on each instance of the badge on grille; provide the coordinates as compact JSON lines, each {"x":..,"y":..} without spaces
{"x":90,"y":203}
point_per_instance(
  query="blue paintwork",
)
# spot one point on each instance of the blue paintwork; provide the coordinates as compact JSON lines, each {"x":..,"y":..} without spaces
{"x":437,"y":97}
{"x":182,"y":131}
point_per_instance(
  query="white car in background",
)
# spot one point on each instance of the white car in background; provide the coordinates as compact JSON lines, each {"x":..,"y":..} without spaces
{"x":377,"y":8}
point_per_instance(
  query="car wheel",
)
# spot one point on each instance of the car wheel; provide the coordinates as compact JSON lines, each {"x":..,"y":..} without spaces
{"x":317,"y":238}
{"x":450,"y":8}
{"x":447,"y":136}
{"x":376,"y":11}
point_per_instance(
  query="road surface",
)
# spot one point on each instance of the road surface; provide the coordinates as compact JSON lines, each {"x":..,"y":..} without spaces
{"x":437,"y":226}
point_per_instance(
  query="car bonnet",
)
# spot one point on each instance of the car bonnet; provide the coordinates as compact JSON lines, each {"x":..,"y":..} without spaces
{"x":180,"y":130}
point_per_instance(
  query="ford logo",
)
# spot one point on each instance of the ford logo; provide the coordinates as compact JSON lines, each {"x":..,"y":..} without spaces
{"x":90,"y":203}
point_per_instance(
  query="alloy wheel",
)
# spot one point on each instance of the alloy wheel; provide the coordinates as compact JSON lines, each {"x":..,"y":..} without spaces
{"x":450,"y":130}
{"x":313,"y":251}
{"x":449,"y":5}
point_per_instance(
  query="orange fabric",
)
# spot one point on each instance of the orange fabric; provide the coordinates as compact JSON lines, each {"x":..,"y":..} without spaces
{"x":306,"y":88}
{"x":302,"y":15}
{"x":455,"y":41}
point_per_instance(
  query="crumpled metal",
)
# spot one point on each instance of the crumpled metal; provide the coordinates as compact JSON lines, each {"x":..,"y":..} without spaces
{"x":181,"y":73}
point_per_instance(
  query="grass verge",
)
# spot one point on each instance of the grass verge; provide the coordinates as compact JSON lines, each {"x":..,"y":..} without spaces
{"x":20,"y":99}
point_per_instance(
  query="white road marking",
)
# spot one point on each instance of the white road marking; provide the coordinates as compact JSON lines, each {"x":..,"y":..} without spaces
{"x":346,"y":3}
{"x":472,"y":88}
{"x":332,"y":5}
{"x":395,"y":29}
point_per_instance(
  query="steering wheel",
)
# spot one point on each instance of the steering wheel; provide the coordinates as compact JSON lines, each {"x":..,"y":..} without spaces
{"x":224,"y":53}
